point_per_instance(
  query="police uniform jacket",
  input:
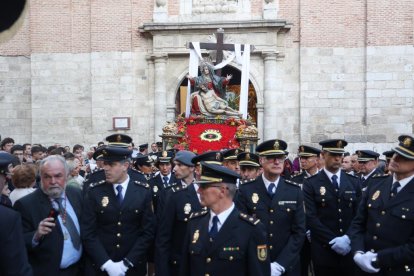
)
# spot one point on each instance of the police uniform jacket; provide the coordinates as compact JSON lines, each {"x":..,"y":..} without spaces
{"x":329,"y":213}
{"x":13,"y":256}
{"x":238,"y":249}
{"x":365,"y":183}
{"x":45,"y":258}
{"x":385,"y":226}
{"x":299,"y":178}
{"x":111,"y":231}
{"x":180,"y":202}
{"x":283,"y":217}
{"x":99,"y":175}
{"x":158,"y":188}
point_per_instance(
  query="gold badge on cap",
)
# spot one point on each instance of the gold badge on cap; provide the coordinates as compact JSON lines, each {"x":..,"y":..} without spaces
{"x":376,"y":195}
{"x":339,"y":144}
{"x":255,"y":198}
{"x":187,"y":208}
{"x":262,"y":252}
{"x":218,"y":156}
{"x":105,"y":201}
{"x":196,"y":236}
{"x":247,"y":156}
{"x":118,"y":138}
{"x":164,"y":154}
{"x":236,"y":152}
{"x":407,"y":142}
{"x":322,"y":190}
{"x":276,"y":145}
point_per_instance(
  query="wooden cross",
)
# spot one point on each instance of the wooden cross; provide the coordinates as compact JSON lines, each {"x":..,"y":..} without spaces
{"x":220,"y":46}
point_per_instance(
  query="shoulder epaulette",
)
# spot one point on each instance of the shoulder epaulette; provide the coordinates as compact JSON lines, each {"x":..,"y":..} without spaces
{"x":142,"y":184}
{"x":309,"y":177}
{"x":95,"y":184}
{"x":178,"y":188}
{"x":380,"y":175}
{"x":198,"y":214}
{"x":354,"y":176}
{"x":249,"y":219}
{"x":296,"y":174}
{"x":292,"y":183}
{"x":244,"y":181}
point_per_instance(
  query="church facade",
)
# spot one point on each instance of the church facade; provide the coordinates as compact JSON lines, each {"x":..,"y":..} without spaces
{"x":78,"y":70}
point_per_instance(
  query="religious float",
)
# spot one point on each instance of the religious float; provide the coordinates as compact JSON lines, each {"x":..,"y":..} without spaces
{"x":210,"y":123}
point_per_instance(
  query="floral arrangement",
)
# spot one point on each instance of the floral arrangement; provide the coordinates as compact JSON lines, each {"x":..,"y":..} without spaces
{"x":198,"y":133}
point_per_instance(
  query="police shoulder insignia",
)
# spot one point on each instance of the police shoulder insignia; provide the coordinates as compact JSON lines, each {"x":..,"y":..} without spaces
{"x":96,"y":184}
{"x":292,"y":183}
{"x":309,"y":177}
{"x":380,"y":175}
{"x":262,"y":252}
{"x":249,"y":219}
{"x":178,"y":188}
{"x":198,"y":214}
{"x":142,"y":184}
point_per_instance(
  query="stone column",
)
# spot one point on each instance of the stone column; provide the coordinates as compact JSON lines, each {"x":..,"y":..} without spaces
{"x":269,"y":113}
{"x":160,"y":102}
{"x":151,"y":97}
{"x":260,"y":126}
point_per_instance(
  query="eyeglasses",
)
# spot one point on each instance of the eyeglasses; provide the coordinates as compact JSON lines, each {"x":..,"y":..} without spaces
{"x":206,"y":186}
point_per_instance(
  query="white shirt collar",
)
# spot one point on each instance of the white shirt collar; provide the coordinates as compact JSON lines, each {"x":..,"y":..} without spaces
{"x":403,"y":181}
{"x":222,"y":217}
{"x":329,"y":174}
{"x":124,"y":186}
{"x":267,"y":182}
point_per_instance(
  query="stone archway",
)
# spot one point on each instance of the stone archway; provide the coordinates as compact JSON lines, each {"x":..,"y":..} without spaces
{"x":233,"y":87}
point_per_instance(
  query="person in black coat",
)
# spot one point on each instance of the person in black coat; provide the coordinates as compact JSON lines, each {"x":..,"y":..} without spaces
{"x":331,"y":201}
{"x":278,"y":203}
{"x":223,"y":241}
{"x":382,"y":233}
{"x":118,"y":221}
{"x":180,"y":202}
{"x":53,"y":241}
{"x":13,"y":255}
{"x":368,"y":165}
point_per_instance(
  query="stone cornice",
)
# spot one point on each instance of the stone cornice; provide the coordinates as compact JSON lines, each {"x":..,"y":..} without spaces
{"x":159,"y":27}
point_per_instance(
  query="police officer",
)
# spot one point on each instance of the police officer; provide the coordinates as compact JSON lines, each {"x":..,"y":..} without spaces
{"x":230,"y":159}
{"x":331,"y":201}
{"x":114,"y":140}
{"x":383,"y":230}
{"x":368,"y":163}
{"x":176,"y":208}
{"x":249,"y":166}
{"x":165,"y":178}
{"x":143,"y":165}
{"x":118,"y":221}
{"x":211,"y":157}
{"x":388,"y":155}
{"x":278,"y":203}
{"x":308,"y":157}
{"x":223,"y":241}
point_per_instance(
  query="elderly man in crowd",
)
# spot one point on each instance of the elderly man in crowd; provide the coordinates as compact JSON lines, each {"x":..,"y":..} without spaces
{"x":50,"y":217}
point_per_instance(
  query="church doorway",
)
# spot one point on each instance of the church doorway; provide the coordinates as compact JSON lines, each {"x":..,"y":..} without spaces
{"x":233,"y":93}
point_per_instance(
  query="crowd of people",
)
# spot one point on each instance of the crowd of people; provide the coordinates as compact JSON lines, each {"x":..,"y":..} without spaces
{"x":118,"y":210}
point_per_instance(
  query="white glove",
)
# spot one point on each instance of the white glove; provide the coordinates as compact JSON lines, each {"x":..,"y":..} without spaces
{"x":123,"y":267}
{"x":364,"y":261}
{"x":308,"y":235}
{"x":113,"y":269}
{"x":276,"y":269}
{"x":341,"y":245}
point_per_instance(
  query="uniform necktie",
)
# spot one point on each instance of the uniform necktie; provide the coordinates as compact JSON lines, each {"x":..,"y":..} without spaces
{"x":119,"y":196}
{"x":69,"y":224}
{"x":270,"y":189}
{"x":394,"y":189}
{"x":335,"y":181}
{"x":214,"y":229}
{"x":165,"y":178}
